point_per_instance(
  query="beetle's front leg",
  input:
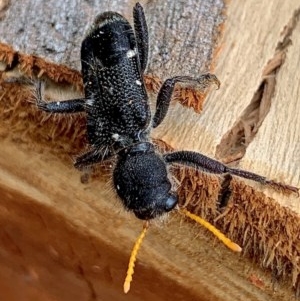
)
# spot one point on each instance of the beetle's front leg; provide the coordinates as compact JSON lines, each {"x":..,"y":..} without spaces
{"x":165,"y":93}
{"x":66,"y":106}
{"x":92,"y":157}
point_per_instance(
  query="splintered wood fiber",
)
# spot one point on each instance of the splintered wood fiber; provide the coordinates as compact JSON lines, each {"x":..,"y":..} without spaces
{"x":267,"y":231}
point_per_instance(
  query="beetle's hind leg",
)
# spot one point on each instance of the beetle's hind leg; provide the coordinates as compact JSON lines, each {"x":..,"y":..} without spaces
{"x":66,"y":106}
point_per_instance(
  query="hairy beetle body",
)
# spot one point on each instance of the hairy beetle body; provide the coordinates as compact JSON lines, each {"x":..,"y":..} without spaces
{"x":139,"y":166}
{"x":117,"y":103}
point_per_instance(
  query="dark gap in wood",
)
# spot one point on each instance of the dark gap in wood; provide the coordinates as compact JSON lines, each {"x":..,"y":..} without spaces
{"x":234,"y":143}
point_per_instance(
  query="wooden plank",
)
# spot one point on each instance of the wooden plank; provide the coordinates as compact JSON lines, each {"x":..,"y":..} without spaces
{"x":182,"y":264}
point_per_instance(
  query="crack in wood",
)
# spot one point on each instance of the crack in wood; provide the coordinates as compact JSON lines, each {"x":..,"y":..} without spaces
{"x":234,"y":143}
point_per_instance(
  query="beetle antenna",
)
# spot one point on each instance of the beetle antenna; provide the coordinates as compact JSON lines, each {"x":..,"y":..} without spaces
{"x":136,"y":247}
{"x":226,"y":241}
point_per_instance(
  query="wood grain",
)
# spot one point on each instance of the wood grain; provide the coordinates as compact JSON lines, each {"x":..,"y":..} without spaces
{"x":252,"y":33}
{"x":54,"y":30}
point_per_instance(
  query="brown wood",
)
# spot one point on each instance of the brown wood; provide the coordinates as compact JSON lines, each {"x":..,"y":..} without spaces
{"x":64,"y":240}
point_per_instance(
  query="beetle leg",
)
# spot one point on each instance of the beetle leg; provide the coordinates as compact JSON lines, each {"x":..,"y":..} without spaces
{"x":66,"y":106}
{"x":141,"y":34}
{"x":165,"y":93}
{"x":207,"y":164}
{"x":92,"y":157}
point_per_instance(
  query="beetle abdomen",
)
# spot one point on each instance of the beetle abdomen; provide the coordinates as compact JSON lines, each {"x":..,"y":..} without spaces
{"x":117,"y":102}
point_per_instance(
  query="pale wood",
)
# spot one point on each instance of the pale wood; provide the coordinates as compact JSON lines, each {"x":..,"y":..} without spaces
{"x":276,"y":149}
{"x":253,"y":30}
{"x":186,"y":263}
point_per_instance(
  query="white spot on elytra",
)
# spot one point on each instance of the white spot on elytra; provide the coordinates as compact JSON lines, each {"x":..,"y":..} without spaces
{"x":90,"y":101}
{"x":130,"y":53}
{"x":138,"y":82}
{"x":116,"y":137}
{"x":58,"y":103}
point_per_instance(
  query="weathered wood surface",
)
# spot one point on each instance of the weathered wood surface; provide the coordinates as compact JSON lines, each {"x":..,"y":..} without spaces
{"x":63,"y":240}
{"x":54,"y":30}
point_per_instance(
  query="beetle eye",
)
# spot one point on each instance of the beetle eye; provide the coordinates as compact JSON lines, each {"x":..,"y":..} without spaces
{"x":171,"y":202}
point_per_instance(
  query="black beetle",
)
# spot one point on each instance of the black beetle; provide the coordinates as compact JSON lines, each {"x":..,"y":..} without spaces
{"x":114,"y":58}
